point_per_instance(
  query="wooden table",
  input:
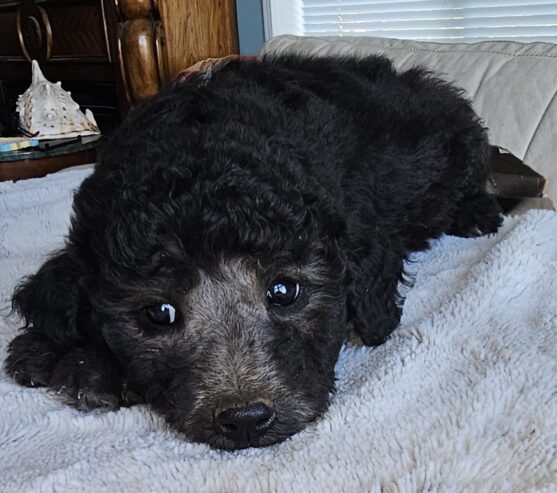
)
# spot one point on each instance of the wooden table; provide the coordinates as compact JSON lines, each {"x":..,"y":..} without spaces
{"x":33,"y":163}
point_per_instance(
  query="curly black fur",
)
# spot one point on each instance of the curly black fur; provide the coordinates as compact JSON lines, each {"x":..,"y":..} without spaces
{"x":326,"y":172}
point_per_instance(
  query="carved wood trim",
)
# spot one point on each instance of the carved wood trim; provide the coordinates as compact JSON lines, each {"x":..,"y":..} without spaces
{"x":34,"y":32}
{"x":140,"y":54}
{"x":131,"y":9}
{"x":138,"y":44}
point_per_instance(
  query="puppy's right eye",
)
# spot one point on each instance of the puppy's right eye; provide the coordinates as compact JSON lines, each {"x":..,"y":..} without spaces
{"x":161,"y":313}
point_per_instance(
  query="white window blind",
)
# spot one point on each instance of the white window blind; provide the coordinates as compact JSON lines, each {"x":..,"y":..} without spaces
{"x":431,"y":20}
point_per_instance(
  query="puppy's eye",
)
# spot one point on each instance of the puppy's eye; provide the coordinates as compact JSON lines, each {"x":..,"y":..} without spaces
{"x":283,"y":292}
{"x":161,"y":314}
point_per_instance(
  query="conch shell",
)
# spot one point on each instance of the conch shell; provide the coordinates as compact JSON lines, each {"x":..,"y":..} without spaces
{"x":46,"y":111}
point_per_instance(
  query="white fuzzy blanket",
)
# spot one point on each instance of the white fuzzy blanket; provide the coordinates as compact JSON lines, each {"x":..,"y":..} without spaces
{"x":463,"y":397}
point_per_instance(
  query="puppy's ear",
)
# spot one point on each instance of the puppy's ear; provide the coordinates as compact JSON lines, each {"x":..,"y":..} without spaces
{"x":52,"y":302}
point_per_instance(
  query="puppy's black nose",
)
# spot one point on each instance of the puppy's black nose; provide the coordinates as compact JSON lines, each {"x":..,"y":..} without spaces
{"x":245,"y":423}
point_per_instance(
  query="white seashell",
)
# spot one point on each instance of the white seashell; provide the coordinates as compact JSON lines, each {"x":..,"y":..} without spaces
{"x":48,"y":111}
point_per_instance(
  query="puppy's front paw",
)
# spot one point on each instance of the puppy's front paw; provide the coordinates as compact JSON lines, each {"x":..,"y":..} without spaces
{"x":88,"y":379}
{"x":31,"y":359}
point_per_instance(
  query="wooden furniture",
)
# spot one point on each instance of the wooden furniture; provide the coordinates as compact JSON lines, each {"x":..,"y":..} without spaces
{"x":110,"y":53}
{"x":157,"y":39}
{"x":34,"y":163}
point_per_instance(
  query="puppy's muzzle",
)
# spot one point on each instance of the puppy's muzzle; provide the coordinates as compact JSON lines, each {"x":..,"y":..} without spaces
{"x":246,"y":424}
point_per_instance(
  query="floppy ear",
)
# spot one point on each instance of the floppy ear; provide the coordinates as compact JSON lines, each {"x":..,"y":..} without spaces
{"x":52,"y":303}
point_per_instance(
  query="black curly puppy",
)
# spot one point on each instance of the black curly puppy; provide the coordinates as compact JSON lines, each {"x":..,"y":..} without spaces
{"x":236,"y":227}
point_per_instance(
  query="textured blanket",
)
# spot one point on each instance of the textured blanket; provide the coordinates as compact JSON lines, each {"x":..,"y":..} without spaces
{"x":463,"y":397}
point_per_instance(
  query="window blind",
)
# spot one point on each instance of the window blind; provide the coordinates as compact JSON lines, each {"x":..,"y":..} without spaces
{"x":431,"y":20}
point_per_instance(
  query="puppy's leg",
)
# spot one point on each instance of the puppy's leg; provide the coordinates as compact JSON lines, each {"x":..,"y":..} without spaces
{"x":83,"y":377}
{"x":374,"y":303}
{"x":60,"y":346}
{"x":86,"y":378}
{"x":31,"y":359}
{"x":476,"y":214}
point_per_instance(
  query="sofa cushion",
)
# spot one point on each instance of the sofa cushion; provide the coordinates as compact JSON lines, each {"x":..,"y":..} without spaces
{"x":512,"y":85}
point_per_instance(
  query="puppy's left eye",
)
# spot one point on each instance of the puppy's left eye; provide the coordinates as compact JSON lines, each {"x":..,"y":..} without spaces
{"x":283,"y":292}
{"x":161,"y":314}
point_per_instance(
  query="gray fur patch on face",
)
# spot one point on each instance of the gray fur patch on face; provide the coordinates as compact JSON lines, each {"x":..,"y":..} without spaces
{"x":241,"y":349}
{"x":229,"y":332}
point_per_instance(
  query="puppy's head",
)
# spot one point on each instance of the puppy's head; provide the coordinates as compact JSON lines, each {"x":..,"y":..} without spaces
{"x":233,"y":342}
{"x":214,"y":272}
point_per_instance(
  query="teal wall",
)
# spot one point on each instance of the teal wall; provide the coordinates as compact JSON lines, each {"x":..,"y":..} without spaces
{"x":250,"y":26}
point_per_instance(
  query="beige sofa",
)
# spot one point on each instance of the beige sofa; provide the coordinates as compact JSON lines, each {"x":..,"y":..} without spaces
{"x":513,"y":86}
